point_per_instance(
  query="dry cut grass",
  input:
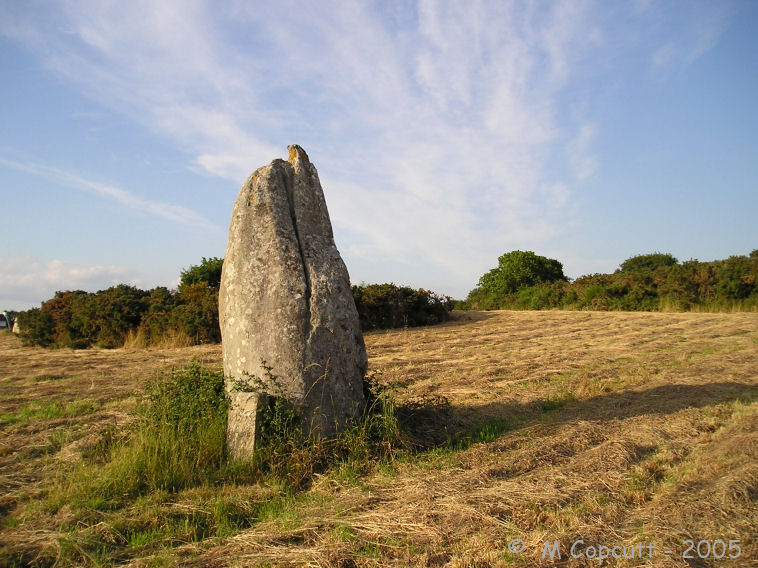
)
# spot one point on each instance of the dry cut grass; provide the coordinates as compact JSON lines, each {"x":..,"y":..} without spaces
{"x":615,"y":429}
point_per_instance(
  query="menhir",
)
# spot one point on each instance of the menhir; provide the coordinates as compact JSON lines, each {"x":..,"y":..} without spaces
{"x":289,"y":324}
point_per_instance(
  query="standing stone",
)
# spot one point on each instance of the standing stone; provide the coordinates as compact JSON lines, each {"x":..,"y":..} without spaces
{"x":285,"y":302}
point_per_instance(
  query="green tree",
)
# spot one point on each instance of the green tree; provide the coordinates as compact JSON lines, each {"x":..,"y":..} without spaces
{"x":519,"y":269}
{"x":648,"y":262}
{"x":208,"y":271}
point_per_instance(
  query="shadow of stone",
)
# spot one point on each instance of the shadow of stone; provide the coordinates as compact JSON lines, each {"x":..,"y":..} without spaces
{"x":427,"y":420}
{"x":467,"y":316}
{"x":456,"y":318}
{"x":434,"y":421}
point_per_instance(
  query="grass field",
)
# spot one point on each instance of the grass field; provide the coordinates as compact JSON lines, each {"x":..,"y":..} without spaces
{"x":616,"y":429}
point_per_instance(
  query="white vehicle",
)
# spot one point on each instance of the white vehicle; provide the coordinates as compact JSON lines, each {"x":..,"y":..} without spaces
{"x":5,"y":321}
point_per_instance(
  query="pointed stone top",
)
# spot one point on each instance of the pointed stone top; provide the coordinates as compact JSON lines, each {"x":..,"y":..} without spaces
{"x":297,"y":152}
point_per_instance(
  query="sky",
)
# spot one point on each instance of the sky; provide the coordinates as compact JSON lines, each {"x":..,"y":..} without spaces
{"x":445,"y":133}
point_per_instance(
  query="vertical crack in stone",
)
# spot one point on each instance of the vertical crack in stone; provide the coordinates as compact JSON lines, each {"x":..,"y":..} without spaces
{"x":289,"y":184}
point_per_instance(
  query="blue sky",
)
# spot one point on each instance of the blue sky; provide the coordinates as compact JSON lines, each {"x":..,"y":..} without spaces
{"x":445,"y":133}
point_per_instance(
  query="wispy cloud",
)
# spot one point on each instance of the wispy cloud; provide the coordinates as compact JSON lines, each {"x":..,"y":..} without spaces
{"x":436,"y":126}
{"x":450,"y":117}
{"x":431,"y":125}
{"x":693,"y":33}
{"x":173,"y":213}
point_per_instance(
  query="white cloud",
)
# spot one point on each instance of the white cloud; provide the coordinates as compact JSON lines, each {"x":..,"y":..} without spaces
{"x":25,"y":281}
{"x":432,"y":126}
{"x":173,"y":213}
{"x":164,"y":64}
{"x":437,"y":127}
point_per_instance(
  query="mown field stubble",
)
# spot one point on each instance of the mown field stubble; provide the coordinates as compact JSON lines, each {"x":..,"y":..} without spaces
{"x":613,"y":429}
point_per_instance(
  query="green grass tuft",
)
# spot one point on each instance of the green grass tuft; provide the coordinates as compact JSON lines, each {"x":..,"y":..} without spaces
{"x":486,"y":433}
{"x":48,"y":411}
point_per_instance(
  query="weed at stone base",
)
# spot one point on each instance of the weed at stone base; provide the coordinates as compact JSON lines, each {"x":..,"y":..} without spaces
{"x":284,"y":453}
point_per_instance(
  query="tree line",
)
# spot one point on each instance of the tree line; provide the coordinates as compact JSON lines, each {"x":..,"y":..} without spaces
{"x":125,"y":315}
{"x":648,"y":282}
{"x":522,"y":280}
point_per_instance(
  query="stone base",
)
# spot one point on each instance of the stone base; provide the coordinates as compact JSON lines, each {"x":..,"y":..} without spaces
{"x":241,"y":426}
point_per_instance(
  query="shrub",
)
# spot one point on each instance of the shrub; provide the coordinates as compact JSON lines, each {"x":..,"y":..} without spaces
{"x":117,"y":311}
{"x":648,"y":262}
{"x":177,"y":440}
{"x":385,"y":306}
{"x":207,"y":272}
{"x":644,"y":282}
{"x":124,"y":315}
{"x":737,"y":277}
{"x":282,"y":450}
{"x":70,"y":313}
{"x":37,"y":328}
{"x":109,"y":317}
{"x":196,"y":313}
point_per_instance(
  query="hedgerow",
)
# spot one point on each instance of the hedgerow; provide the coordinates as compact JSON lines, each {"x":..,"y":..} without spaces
{"x":650,"y":282}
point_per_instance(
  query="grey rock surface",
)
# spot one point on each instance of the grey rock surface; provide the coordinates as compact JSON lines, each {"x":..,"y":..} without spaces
{"x":285,"y":302}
